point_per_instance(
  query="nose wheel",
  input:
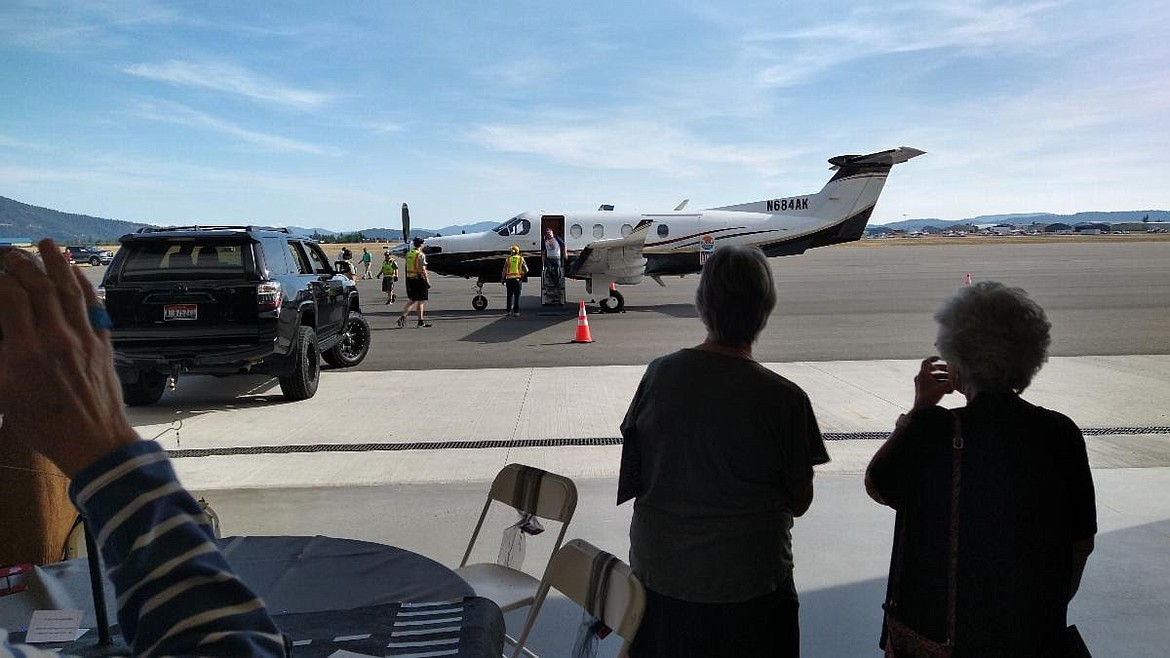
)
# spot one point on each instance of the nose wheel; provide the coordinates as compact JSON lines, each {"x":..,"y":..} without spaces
{"x":615,"y":303}
{"x":479,"y":302}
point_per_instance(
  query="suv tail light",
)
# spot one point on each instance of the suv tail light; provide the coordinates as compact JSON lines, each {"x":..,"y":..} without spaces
{"x":268,"y":296}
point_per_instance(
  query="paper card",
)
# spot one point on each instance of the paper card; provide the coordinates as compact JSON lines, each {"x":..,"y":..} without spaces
{"x":53,"y":626}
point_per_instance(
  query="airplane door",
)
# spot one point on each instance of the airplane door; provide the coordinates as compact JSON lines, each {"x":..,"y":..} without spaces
{"x":552,"y":270}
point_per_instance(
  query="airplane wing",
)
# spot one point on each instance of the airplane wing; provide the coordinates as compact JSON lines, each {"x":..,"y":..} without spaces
{"x":619,"y":259}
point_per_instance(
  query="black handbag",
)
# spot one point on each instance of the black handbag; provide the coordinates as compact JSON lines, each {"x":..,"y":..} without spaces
{"x":902,"y":640}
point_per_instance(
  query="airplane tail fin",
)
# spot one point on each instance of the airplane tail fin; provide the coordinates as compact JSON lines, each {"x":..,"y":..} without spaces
{"x":846,"y":201}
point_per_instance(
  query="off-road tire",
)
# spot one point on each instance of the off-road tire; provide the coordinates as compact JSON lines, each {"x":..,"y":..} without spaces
{"x":95,"y":261}
{"x":354,"y":344}
{"x":301,"y":383}
{"x":147,"y":390}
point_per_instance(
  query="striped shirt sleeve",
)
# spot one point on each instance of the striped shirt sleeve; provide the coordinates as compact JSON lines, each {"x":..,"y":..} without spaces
{"x":176,"y":593}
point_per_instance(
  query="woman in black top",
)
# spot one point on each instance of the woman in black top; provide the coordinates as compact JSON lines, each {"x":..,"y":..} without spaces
{"x":1027,"y":514}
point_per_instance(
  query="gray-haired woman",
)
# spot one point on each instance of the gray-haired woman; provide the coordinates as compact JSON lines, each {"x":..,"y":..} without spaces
{"x":719,"y":454}
{"x":1026,"y":512}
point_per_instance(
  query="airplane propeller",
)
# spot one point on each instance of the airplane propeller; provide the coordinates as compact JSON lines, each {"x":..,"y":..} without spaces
{"x":405,"y":224}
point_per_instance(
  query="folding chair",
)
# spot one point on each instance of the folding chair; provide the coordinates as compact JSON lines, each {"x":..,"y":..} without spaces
{"x":597,"y":581}
{"x":528,"y":490}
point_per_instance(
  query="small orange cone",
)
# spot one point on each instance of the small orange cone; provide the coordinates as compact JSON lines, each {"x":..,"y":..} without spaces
{"x":582,"y":326}
{"x":968,"y":281}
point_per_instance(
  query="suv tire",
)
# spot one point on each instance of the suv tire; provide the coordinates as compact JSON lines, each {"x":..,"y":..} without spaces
{"x":95,"y":261}
{"x":301,"y":383}
{"x":147,"y":390}
{"x":354,"y":344}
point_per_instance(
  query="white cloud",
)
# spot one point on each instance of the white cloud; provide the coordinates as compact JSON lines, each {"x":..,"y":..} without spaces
{"x":801,"y":55}
{"x":629,"y":143}
{"x":231,"y":79}
{"x":23,"y":145}
{"x":185,"y":116}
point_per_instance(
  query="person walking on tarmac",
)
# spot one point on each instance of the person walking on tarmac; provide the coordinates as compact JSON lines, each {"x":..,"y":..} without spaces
{"x":388,"y":274}
{"x":515,"y":269}
{"x":418,"y":284}
{"x":367,"y":261}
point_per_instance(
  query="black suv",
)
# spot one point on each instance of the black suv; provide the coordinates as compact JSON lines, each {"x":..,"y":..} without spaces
{"x":80,"y":253}
{"x":225,"y":300}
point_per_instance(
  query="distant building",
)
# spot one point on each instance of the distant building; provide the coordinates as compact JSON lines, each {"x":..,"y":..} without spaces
{"x":1091,"y":228}
{"x":1058,"y":227}
{"x":16,"y":242}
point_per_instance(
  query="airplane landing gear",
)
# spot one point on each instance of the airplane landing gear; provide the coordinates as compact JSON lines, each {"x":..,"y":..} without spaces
{"x":615,"y":303}
{"x":479,"y":302}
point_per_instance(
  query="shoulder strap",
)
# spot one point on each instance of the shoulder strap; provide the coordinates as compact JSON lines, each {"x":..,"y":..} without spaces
{"x":953,"y":570}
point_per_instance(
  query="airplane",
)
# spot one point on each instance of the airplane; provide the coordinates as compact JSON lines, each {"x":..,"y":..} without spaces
{"x":605,"y":247}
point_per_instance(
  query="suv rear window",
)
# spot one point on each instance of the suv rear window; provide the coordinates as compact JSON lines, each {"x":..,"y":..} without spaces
{"x":185,"y":259}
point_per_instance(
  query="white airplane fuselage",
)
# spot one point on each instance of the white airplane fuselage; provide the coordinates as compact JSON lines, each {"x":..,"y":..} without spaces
{"x":606,"y":246}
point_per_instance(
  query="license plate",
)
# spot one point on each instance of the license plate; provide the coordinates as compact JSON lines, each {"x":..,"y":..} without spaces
{"x":180,"y":312}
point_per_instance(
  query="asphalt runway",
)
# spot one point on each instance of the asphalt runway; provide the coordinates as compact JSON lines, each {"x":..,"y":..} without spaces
{"x":855,"y":302}
{"x":861,"y":301}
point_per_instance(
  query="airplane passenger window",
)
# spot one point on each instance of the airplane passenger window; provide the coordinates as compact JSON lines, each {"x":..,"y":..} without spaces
{"x":663,"y":230}
{"x":575,"y":230}
{"x":626,"y":230}
{"x":598,"y":231}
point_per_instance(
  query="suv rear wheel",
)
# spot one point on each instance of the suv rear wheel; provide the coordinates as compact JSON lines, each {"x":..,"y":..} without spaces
{"x":147,"y":390}
{"x":301,"y":383}
{"x":355,"y":343}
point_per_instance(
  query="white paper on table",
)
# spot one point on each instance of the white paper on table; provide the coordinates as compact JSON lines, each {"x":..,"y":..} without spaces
{"x":53,"y":626}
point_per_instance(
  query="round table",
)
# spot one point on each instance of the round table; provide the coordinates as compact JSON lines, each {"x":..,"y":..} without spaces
{"x":311,"y":574}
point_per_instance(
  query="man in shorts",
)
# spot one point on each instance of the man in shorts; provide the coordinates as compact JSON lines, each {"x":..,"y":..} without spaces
{"x":418,"y":284}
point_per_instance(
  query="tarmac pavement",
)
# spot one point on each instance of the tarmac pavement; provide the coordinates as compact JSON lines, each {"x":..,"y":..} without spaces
{"x":402,"y":465}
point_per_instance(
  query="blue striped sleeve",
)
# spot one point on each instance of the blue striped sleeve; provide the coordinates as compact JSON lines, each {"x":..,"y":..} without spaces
{"x":176,"y":593}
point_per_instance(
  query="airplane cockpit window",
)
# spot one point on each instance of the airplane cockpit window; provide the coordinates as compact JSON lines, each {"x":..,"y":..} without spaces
{"x":598,"y":231}
{"x":627,"y":230}
{"x":515,"y":226}
{"x":575,"y":230}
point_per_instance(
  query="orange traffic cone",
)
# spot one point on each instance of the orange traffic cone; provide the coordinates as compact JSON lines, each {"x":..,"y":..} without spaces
{"x":582,"y":326}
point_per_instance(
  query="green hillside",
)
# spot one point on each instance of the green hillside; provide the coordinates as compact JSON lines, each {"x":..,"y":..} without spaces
{"x":20,"y":220}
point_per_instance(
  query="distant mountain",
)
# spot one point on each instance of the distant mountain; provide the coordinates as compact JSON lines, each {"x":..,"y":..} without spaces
{"x":395,"y":234}
{"x":20,"y":220}
{"x":1024,"y":219}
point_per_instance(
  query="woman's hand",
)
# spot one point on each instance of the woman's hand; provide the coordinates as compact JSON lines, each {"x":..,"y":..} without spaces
{"x":931,"y":383}
{"x":59,"y":394}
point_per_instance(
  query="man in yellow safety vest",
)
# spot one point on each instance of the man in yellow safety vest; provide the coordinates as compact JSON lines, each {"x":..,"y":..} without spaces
{"x":515,"y":269}
{"x":418,"y":284}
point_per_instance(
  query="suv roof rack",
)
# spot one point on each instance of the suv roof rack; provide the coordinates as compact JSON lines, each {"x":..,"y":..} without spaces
{"x":201,"y":227}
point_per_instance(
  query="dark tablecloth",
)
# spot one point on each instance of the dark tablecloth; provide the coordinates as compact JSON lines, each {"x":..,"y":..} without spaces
{"x":472,"y":628}
{"x":308,"y":584}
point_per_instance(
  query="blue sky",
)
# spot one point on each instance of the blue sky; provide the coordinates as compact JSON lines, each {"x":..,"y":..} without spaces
{"x":334,"y":114}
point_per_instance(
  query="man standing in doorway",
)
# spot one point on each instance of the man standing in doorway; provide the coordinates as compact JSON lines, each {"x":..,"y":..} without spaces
{"x":418,"y":284}
{"x":515,"y":269}
{"x":554,"y":263}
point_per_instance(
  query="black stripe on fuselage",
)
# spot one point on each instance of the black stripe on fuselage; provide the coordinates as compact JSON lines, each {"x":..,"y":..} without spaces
{"x":848,"y":230}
